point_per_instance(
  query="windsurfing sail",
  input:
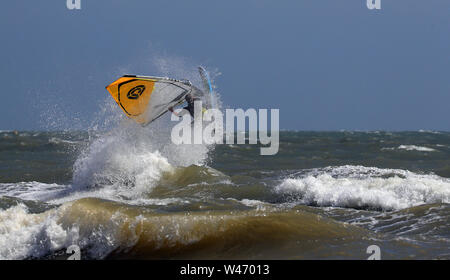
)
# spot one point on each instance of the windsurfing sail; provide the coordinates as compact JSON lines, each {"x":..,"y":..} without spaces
{"x":144,"y":99}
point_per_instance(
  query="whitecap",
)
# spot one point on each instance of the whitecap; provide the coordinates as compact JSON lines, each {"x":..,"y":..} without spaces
{"x":366,"y":187}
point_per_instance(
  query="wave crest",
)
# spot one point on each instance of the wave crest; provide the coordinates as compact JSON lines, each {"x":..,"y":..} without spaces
{"x":366,"y":187}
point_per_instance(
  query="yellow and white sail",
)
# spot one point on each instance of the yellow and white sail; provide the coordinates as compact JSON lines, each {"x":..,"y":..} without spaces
{"x":144,"y":99}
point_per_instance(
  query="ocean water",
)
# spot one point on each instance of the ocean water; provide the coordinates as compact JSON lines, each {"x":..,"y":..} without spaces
{"x":127,"y":192}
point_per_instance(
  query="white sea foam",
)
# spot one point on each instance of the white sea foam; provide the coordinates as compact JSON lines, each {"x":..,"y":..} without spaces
{"x":55,"y":140}
{"x":366,"y":187}
{"x":410,"y":148}
{"x":252,"y":202}
{"x":59,"y":194}
{"x":31,"y":190}
{"x":429,"y":131}
{"x":27,"y":235}
{"x":415,"y":148}
{"x":120,"y":169}
{"x":31,"y":235}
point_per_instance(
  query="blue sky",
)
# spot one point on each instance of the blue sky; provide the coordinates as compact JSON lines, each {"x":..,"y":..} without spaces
{"x":326,"y":64}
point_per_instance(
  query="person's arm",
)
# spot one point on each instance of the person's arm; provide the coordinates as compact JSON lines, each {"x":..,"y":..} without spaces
{"x":184,"y":111}
{"x":173,"y":112}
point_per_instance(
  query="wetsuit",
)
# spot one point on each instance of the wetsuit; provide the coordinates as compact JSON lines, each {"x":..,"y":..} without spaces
{"x":190,"y":103}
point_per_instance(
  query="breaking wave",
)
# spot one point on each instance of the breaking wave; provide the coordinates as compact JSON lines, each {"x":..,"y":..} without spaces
{"x":105,"y":229}
{"x":366,"y":187}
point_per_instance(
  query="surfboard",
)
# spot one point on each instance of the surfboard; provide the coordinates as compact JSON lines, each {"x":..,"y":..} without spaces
{"x":208,"y":86}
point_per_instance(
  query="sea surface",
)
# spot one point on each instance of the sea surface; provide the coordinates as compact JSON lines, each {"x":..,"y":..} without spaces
{"x":129,"y":193}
